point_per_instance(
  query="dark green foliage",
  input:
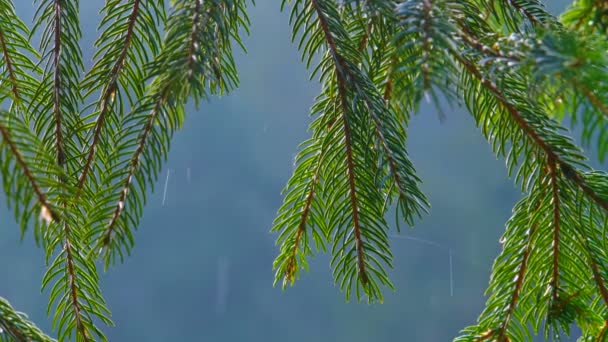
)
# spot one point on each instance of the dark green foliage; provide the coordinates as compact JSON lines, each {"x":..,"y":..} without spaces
{"x":15,"y":326}
{"x":83,"y":148}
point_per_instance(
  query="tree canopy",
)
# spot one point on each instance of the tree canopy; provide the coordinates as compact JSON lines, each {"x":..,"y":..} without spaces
{"x":82,"y":147}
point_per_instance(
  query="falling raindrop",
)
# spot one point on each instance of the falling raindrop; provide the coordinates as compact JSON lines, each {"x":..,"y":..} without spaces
{"x":166,"y":183}
{"x":223,"y":267}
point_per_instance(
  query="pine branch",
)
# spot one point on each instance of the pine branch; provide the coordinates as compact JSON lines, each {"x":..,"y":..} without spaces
{"x":9,"y":67}
{"x":16,"y":325}
{"x":543,"y":247}
{"x":54,"y":108}
{"x":196,"y":57}
{"x":340,"y":74}
{"x":109,"y":91}
{"x":20,"y":160}
{"x":553,"y":173}
{"x":368,"y":132}
{"x":522,"y":266}
{"x":72,"y":285}
{"x":549,"y":150}
{"x":563,"y":67}
{"x":530,"y":10}
{"x":75,"y":294}
{"x":516,"y":15}
{"x":57,"y":82}
{"x":593,"y":99}
{"x":109,"y":231}
{"x":300,"y":210}
{"x":390,"y":136}
{"x":18,"y":67}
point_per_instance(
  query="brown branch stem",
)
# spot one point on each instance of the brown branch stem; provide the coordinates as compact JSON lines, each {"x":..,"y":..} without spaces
{"x":569,"y":172}
{"x":593,"y":99}
{"x":553,"y":171}
{"x":109,"y":92}
{"x":502,"y":332}
{"x":57,"y":83}
{"x":134,"y":162}
{"x":291,"y":266}
{"x":526,"y":13}
{"x":192,"y":47}
{"x":72,"y":284}
{"x":9,"y":67}
{"x":350,"y":165}
{"x":28,"y":173}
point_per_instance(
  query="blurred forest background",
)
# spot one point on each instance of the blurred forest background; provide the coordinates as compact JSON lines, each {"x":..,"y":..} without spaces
{"x":201,"y":267}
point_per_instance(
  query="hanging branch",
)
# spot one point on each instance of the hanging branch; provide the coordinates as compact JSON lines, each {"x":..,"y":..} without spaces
{"x":109,"y":91}
{"x":301,"y":211}
{"x":198,"y":32}
{"x":350,"y":165}
{"x":17,"y":325}
{"x":568,"y":170}
{"x":553,"y":173}
{"x":19,"y":68}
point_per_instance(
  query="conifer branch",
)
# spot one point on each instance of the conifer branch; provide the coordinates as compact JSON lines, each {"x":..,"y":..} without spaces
{"x":42,"y":199}
{"x":602,"y":334}
{"x":17,"y":325}
{"x":553,"y":174}
{"x":57,"y":85}
{"x":133,"y":163}
{"x":196,"y":52}
{"x":291,"y":268}
{"x":426,"y":22}
{"x":517,"y":4}
{"x":599,"y":281}
{"x":19,"y":68}
{"x":109,"y":91}
{"x":9,"y":67}
{"x":519,"y":281}
{"x":194,"y":31}
{"x":341,"y":79}
{"x":593,"y":99}
{"x":568,"y":170}
{"x":73,"y":290}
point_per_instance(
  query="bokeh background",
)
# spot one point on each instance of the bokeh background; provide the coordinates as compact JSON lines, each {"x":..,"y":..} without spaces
{"x":201,"y":269}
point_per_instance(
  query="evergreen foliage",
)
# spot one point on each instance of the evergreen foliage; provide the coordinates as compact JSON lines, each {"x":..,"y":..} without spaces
{"x":81,"y":149}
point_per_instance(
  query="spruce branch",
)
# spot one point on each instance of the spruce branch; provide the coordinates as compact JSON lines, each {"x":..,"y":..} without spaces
{"x":355,"y":116}
{"x":300,"y":209}
{"x":88,"y":169}
{"x":75,"y":294}
{"x":134,"y":161}
{"x":9,"y":67}
{"x":593,"y":99}
{"x":501,"y":333}
{"x":22,"y":164}
{"x":195,"y":58}
{"x":566,"y":165}
{"x":109,"y":91}
{"x":53,"y":110}
{"x":57,"y":82}
{"x":19,"y":68}
{"x":516,"y":15}
{"x":553,"y":172}
{"x":17,"y":325}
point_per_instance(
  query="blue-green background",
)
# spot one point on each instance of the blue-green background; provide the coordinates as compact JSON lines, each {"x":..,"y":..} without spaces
{"x":202,"y":266}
